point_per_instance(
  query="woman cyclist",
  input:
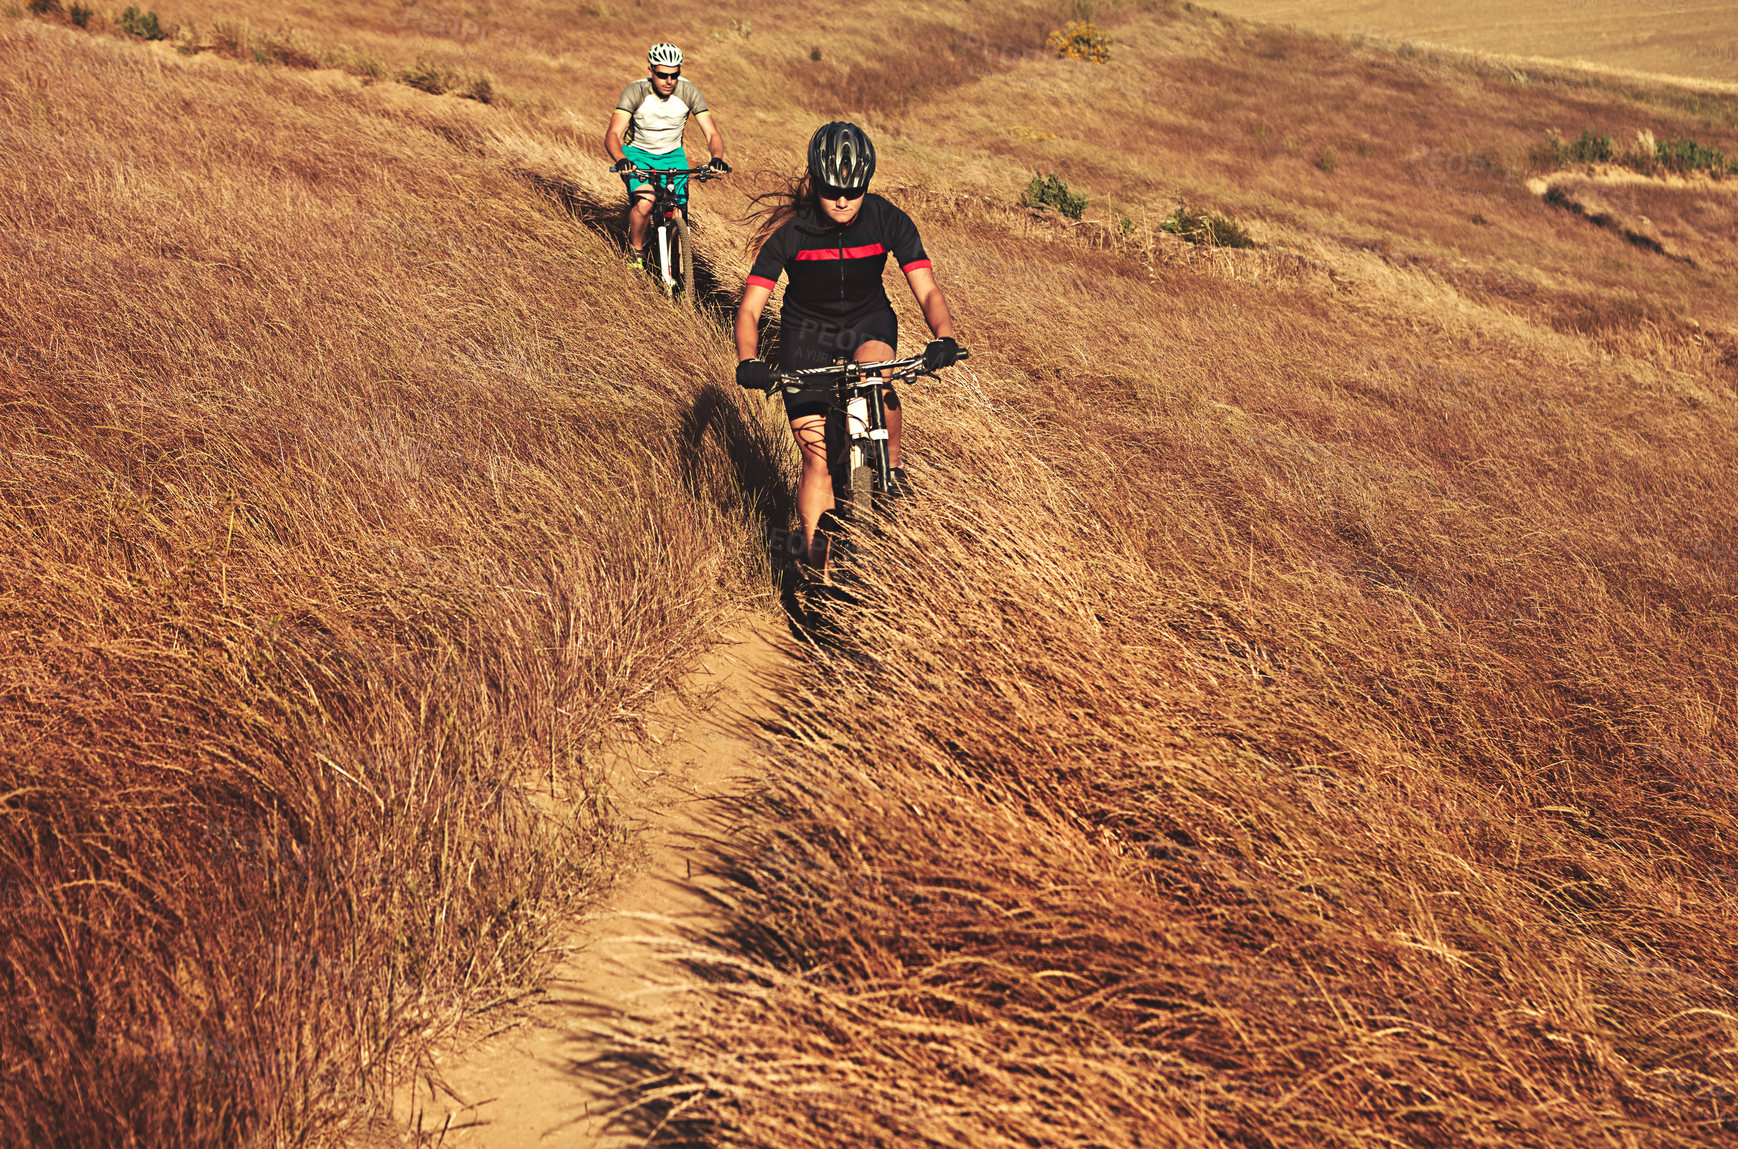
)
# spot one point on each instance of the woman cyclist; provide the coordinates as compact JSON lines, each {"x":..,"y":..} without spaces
{"x":832,"y":239}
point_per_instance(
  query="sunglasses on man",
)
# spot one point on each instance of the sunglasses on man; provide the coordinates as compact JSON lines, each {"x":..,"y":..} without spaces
{"x":657,"y":75}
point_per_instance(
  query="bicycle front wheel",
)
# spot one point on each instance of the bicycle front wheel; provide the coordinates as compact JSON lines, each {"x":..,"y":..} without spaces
{"x":684,"y":262}
{"x":862,"y":487}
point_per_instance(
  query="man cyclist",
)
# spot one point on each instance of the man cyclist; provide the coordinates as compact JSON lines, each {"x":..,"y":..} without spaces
{"x":646,"y":133}
{"x":832,"y":239}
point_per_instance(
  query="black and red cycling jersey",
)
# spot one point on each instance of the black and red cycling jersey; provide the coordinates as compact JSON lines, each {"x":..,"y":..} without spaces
{"x":835,"y":271}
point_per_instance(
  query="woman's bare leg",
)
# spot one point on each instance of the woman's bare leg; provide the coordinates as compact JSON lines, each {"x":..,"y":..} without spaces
{"x":815,"y":487}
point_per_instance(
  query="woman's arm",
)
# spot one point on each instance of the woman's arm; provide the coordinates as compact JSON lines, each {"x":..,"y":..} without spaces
{"x":929,"y":297}
{"x":754,"y":298}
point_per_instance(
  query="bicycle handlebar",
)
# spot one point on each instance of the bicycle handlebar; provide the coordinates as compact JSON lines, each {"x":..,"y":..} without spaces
{"x":701,"y":174}
{"x":853,"y":373}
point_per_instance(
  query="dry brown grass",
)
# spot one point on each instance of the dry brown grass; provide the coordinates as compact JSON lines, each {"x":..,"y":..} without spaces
{"x":1299,"y":712}
{"x":344,"y":518}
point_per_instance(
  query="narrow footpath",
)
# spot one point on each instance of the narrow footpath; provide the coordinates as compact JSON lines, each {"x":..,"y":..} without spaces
{"x":525,"y":1086}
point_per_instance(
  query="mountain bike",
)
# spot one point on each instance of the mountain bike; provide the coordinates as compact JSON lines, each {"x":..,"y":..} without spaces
{"x":857,"y":452}
{"x":674,"y":251}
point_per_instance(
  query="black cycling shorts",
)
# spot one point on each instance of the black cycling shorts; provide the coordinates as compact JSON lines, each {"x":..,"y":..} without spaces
{"x":804,"y":342}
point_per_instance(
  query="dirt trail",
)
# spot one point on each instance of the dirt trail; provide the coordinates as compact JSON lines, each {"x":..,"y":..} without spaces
{"x":521,"y":1088}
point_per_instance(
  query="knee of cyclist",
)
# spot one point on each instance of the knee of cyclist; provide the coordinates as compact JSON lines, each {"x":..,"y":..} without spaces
{"x":890,"y":398}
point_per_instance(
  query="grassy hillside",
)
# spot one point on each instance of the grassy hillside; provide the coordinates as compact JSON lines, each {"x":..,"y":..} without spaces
{"x":1299,"y":711}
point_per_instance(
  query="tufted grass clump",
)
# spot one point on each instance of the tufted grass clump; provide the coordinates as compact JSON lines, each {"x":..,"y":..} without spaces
{"x":439,"y":80}
{"x":1204,"y":228}
{"x":428,"y":76}
{"x":358,"y":63}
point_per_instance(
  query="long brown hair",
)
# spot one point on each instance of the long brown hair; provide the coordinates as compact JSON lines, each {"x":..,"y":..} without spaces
{"x":775,"y":208}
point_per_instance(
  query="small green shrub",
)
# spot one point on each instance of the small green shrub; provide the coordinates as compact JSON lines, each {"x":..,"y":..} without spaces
{"x":1052,"y":192}
{"x":1689,"y":156}
{"x":44,"y":7}
{"x":144,"y":25}
{"x":80,"y":15}
{"x":1205,"y":228}
{"x":1080,"y":40}
{"x":1646,"y":156}
{"x":1589,"y":147}
{"x":1124,"y":225}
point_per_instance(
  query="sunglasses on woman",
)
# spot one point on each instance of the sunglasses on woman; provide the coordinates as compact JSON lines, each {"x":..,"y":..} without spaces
{"x":827,"y":191}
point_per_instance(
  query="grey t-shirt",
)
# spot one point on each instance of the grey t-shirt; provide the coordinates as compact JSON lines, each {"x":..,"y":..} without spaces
{"x":658,"y":120}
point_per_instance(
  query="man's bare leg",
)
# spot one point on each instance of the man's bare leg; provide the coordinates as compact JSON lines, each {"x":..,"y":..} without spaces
{"x":639,"y":216}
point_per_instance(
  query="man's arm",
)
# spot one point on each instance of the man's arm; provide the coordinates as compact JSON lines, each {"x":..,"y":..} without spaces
{"x":714,"y":138}
{"x":612,"y":136}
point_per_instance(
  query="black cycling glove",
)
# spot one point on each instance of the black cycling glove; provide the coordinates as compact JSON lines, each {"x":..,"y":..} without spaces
{"x":943,"y":352}
{"x":753,"y":375}
{"x":623,"y":165}
{"x":718,"y":165}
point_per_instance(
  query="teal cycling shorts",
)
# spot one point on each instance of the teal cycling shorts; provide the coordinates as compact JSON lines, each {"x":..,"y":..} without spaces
{"x":669,"y":161}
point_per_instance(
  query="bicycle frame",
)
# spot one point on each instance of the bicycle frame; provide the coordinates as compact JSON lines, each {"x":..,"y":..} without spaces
{"x":857,"y":396}
{"x":667,"y":209}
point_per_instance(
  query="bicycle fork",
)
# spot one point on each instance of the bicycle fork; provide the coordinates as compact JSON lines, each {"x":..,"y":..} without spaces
{"x":866,"y":422}
{"x":664,"y":253}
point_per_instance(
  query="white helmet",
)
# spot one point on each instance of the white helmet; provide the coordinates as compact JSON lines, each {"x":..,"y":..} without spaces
{"x":664,"y":56}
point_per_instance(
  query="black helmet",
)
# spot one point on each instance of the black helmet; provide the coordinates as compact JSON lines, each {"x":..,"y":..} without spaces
{"x":841,"y":156}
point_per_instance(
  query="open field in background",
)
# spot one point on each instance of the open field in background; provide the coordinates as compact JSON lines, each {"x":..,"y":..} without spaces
{"x":1696,"y":38}
{"x":1301,"y":714}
